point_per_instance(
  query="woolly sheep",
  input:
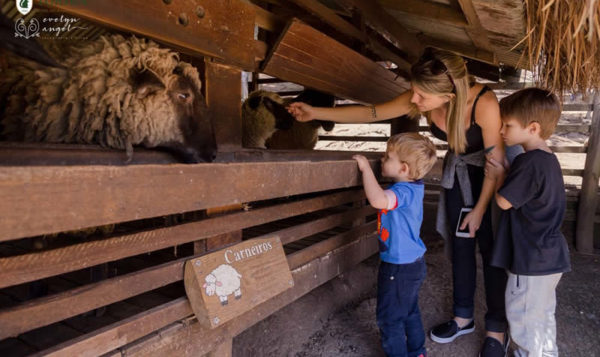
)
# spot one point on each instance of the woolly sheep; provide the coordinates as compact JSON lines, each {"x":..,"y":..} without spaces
{"x":114,"y":92}
{"x":267,"y":124}
{"x":223,"y":281}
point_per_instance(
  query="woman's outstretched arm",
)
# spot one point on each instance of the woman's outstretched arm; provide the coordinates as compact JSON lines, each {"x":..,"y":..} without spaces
{"x":396,"y":107}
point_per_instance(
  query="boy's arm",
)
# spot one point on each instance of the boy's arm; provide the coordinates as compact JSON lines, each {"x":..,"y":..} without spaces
{"x":501,"y":201}
{"x":375,"y":194}
{"x":497,"y":171}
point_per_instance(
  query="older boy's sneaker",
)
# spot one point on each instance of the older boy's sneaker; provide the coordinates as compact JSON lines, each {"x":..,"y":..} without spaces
{"x":447,"y":332}
{"x":493,"y":348}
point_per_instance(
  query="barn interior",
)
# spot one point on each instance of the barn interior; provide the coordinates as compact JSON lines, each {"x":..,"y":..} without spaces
{"x":93,"y":241}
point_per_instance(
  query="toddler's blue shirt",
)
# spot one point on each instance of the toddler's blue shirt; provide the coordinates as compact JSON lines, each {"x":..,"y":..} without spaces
{"x":399,"y":227}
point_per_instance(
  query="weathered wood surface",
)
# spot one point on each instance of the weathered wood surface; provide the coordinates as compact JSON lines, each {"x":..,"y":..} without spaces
{"x":91,"y":196}
{"x":588,"y":203}
{"x":384,"y":23}
{"x":195,"y":340}
{"x":33,"y":266}
{"x":306,"y":56}
{"x":223,"y":91}
{"x":331,"y":18}
{"x":47,"y":310}
{"x":439,"y":12}
{"x":245,"y":275}
{"x":125,"y":332}
{"x":220,"y":29}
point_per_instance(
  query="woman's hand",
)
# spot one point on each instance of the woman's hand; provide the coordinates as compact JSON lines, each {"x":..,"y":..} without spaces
{"x":362,"y":161}
{"x":473,"y":221}
{"x":301,"y":111}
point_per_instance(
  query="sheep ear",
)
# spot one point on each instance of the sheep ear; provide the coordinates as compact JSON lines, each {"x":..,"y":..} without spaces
{"x":145,"y":83}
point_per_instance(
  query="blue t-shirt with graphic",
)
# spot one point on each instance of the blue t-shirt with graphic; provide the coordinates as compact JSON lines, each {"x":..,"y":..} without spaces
{"x":399,"y":227}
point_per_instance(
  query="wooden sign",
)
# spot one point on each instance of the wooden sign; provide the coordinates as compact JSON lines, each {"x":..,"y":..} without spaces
{"x":227,"y":283}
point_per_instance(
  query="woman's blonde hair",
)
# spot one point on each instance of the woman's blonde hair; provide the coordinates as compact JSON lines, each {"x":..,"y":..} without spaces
{"x":444,"y":73}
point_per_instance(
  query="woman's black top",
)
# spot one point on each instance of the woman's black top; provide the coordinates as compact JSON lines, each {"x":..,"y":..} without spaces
{"x":473,"y":134}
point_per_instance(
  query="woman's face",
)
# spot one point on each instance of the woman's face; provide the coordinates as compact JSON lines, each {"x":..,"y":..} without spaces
{"x":426,"y":102}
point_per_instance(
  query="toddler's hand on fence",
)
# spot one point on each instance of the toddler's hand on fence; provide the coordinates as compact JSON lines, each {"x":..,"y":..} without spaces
{"x":301,"y":111}
{"x":362,"y":161}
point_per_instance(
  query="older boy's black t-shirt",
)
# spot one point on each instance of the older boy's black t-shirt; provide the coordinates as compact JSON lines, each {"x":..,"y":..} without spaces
{"x":529,"y":240}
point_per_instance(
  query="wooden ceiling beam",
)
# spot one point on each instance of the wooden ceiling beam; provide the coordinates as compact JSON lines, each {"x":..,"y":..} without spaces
{"x":466,"y":51}
{"x":330,"y":17}
{"x":385,"y":24}
{"x":475,"y":31}
{"x":431,"y":11}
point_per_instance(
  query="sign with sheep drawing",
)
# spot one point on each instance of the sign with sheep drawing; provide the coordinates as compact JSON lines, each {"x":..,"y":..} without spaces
{"x":235,"y":279}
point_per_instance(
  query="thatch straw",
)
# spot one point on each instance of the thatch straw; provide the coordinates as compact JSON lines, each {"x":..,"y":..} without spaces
{"x":562,"y":44}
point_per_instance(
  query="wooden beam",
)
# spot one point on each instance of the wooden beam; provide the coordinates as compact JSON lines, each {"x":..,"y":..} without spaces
{"x":220,"y":29}
{"x":200,"y":340}
{"x":298,"y":57}
{"x":94,"y":195}
{"x":224,"y":88}
{"x":126,"y":331}
{"x":58,"y":307}
{"x":471,"y":52}
{"x":385,"y":24}
{"x":588,"y":202}
{"x":33,"y":266}
{"x":475,"y":31}
{"x":334,"y":20}
{"x":430,"y":10}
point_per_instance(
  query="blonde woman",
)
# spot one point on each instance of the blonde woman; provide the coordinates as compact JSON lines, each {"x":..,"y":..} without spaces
{"x":466,"y":115}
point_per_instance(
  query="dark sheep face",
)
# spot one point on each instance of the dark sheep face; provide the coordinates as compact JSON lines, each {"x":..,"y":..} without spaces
{"x":283,"y":119}
{"x":192,"y":116}
{"x":195,"y":120}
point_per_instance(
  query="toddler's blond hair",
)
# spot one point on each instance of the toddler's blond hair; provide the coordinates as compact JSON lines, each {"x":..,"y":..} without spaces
{"x":417,"y":151}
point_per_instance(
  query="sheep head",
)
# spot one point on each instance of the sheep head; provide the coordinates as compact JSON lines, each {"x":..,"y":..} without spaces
{"x":191,"y":135}
{"x":262,"y":114}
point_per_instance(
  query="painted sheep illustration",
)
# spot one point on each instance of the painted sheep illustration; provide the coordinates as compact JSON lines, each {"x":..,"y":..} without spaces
{"x":223,"y":281}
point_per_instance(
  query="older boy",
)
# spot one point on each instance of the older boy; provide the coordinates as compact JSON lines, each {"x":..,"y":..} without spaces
{"x":408,"y":158}
{"x":529,"y":243}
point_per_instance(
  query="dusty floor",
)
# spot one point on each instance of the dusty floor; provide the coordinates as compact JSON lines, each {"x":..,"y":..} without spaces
{"x":353,"y":332}
{"x":307,"y":328}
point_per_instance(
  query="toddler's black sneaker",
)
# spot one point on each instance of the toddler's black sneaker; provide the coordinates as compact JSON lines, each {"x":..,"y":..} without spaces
{"x":447,"y":332}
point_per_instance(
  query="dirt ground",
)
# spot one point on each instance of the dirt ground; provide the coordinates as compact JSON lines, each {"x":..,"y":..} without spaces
{"x":352,"y":331}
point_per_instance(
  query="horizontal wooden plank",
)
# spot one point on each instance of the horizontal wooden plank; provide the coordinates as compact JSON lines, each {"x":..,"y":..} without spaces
{"x":92,"y":196}
{"x":298,"y":57}
{"x":427,"y":9}
{"x":124,"y":332}
{"x":33,"y":266}
{"x":222,"y":29}
{"x":50,"y":309}
{"x":193,"y":337}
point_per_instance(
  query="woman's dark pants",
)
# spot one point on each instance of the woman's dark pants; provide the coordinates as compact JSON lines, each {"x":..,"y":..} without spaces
{"x":464,"y":267}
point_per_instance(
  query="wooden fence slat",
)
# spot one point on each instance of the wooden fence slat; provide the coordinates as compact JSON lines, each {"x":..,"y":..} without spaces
{"x":225,"y":31}
{"x":33,"y":266}
{"x":92,"y":196}
{"x":586,"y":212}
{"x":200,"y":340}
{"x":125,"y":331}
{"x":298,"y":58}
{"x":50,"y":309}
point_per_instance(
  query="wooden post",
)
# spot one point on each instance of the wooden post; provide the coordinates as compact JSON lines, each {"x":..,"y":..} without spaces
{"x":224,"y":99}
{"x":586,"y":212}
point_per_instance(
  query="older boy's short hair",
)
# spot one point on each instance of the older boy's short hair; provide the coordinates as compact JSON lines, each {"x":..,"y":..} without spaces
{"x":533,"y":105}
{"x":417,"y":151}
